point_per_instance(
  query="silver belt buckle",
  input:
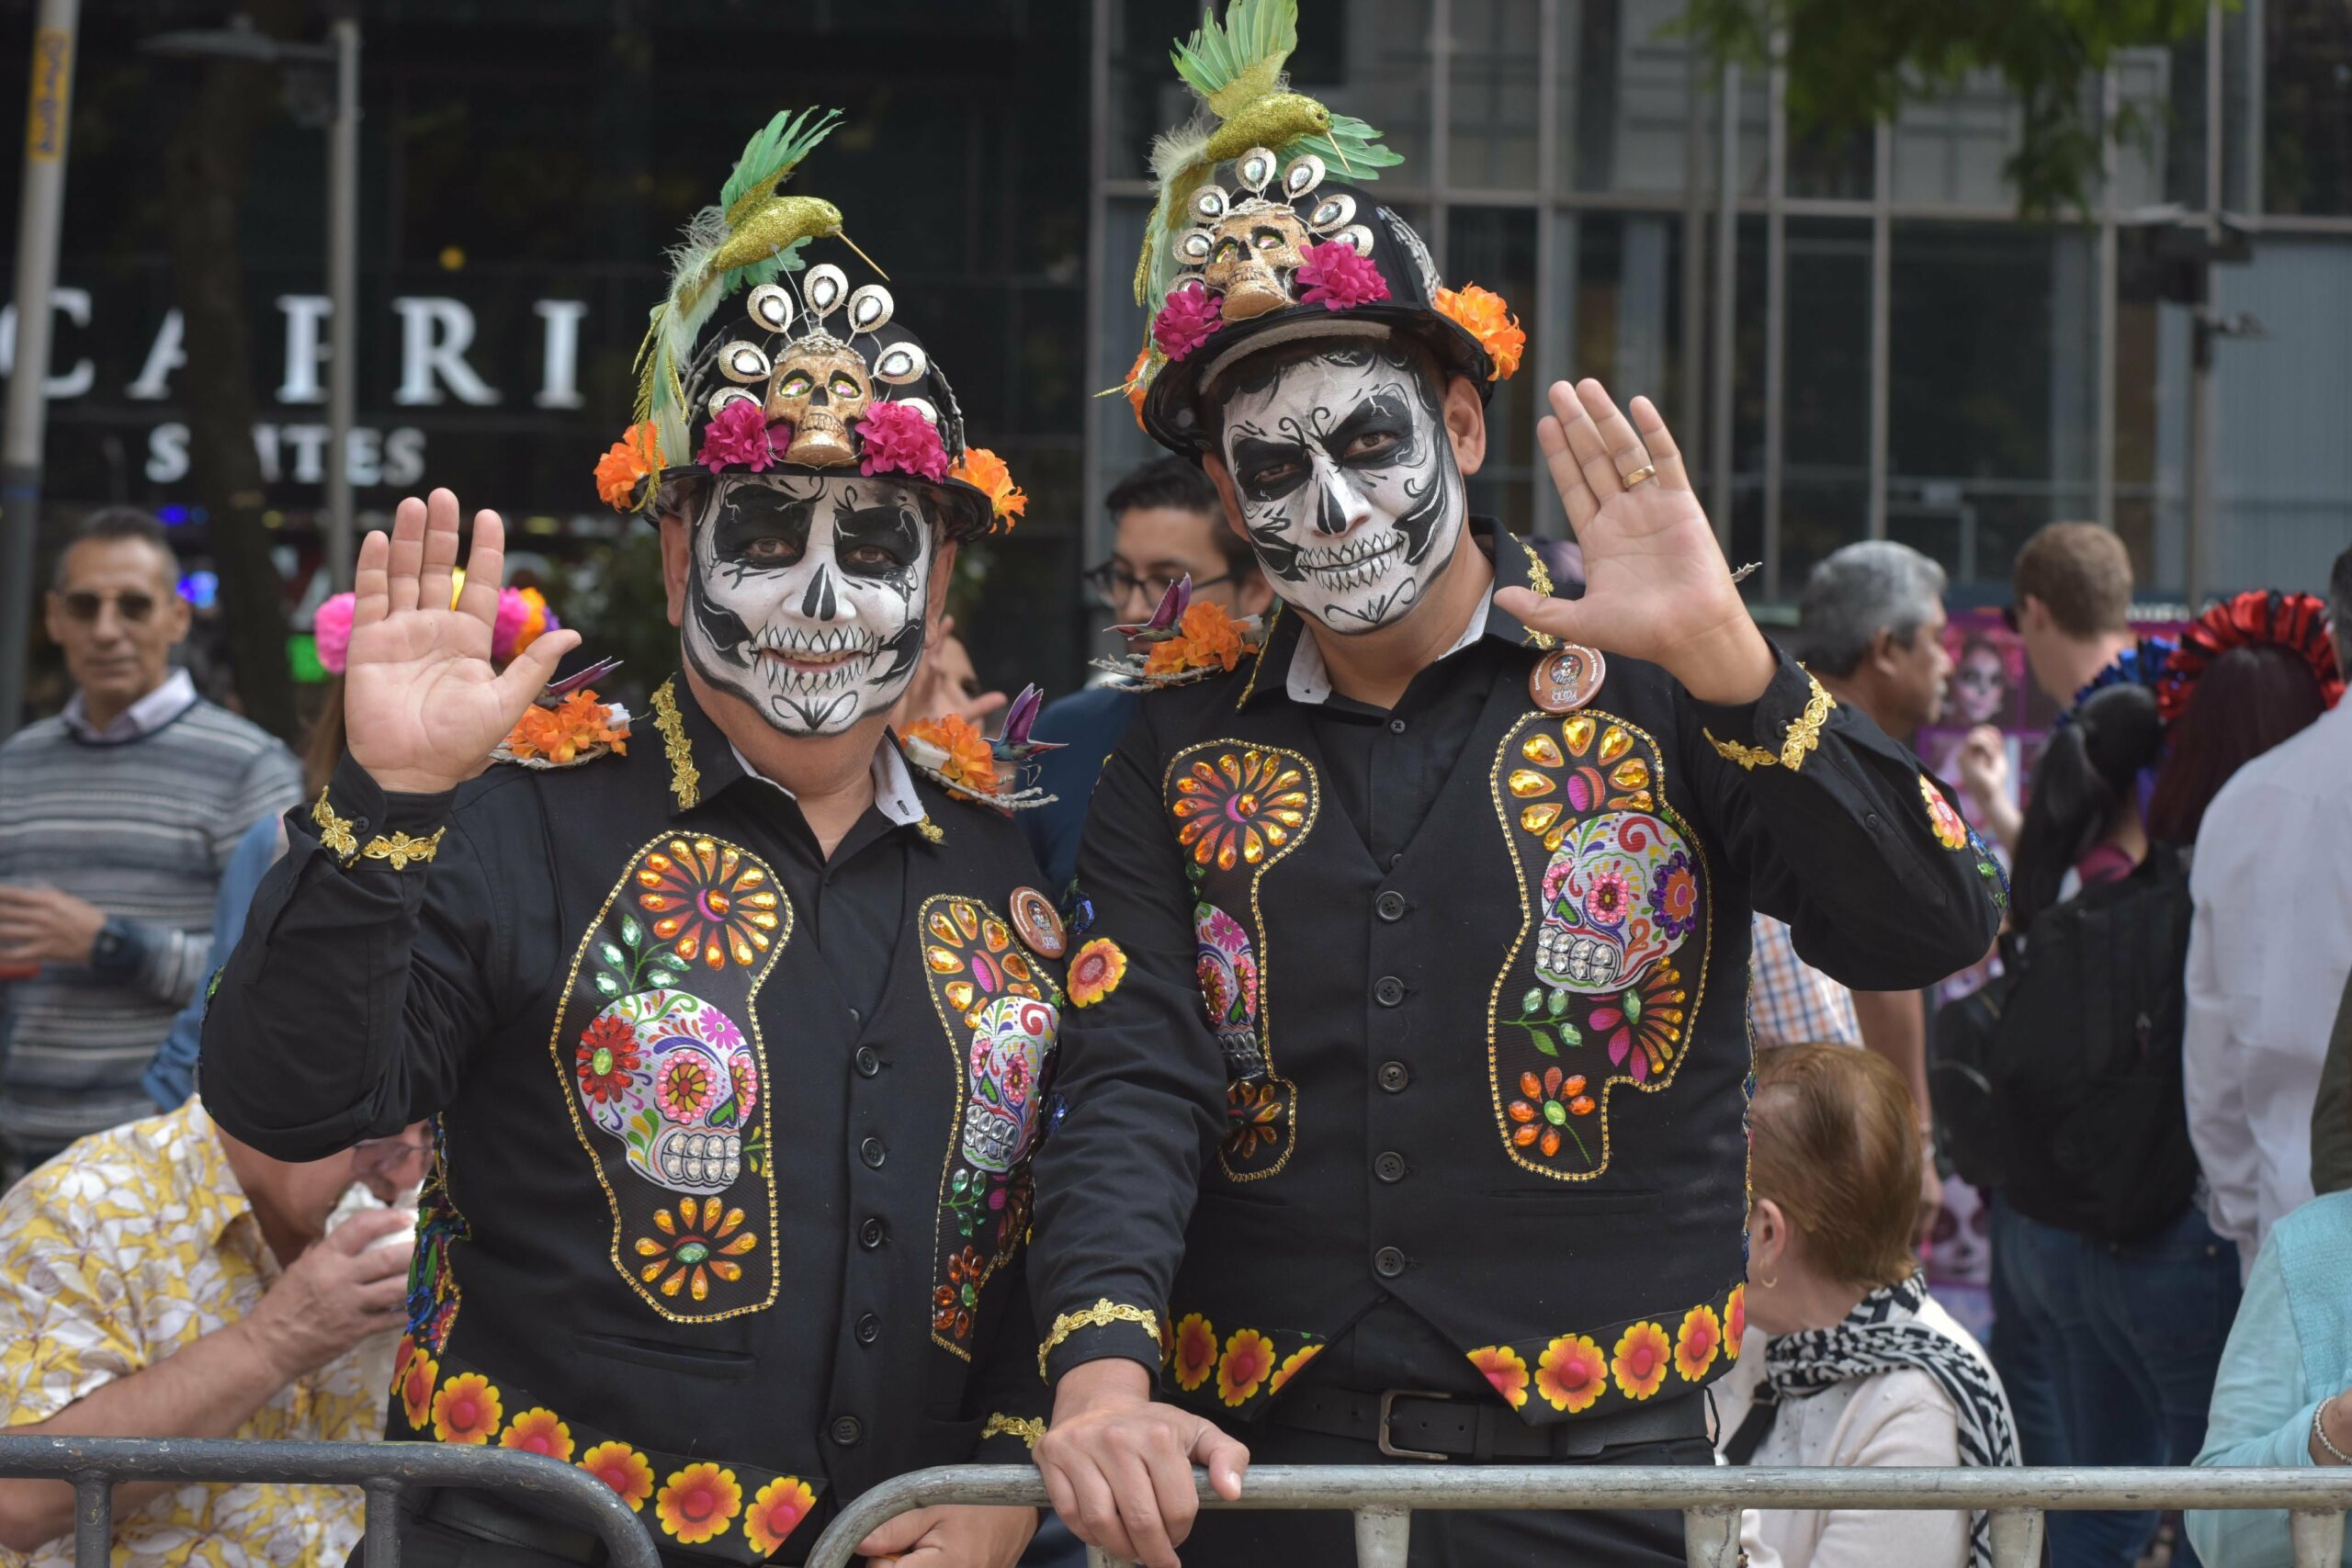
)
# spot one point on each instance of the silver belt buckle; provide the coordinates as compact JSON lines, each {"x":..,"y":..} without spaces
{"x":1388,"y":1412}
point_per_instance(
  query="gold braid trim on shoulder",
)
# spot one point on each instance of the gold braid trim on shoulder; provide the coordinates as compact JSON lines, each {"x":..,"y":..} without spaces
{"x":1028,"y":1428}
{"x":1265,"y":641}
{"x":1539,"y":576}
{"x":686,"y":779}
{"x":1803,"y":735}
{"x":1101,"y":1314}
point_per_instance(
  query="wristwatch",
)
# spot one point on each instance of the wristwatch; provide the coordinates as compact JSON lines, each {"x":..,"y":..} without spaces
{"x":114,"y":949}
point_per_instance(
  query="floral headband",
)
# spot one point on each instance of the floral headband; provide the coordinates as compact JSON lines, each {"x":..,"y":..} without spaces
{"x":2256,"y":618}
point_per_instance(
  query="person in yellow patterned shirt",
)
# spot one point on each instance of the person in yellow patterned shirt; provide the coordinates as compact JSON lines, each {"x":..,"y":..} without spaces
{"x":163,"y":1280}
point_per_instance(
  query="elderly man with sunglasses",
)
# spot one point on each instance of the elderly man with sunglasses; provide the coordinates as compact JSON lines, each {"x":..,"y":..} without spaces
{"x":116,"y":818}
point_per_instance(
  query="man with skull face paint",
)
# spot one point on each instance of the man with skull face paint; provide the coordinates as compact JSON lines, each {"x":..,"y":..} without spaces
{"x":1410,"y":1127}
{"x":738,"y":1044}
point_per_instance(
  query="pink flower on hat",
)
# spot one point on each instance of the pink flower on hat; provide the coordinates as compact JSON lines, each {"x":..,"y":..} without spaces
{"x":1185,"y":322}
{"x":738,"y":434}
{"x":897,"y":439}
{"x":1338,"y":277}
{"x":330,"y":629}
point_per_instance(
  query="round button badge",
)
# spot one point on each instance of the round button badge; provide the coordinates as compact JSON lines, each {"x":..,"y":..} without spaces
{"x":1038,"y":925}
{"x":1566,"y":678}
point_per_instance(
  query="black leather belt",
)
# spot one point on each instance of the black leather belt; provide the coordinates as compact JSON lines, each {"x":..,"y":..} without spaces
{"x":471,"y":1514}
{"x":1414,"y":1424}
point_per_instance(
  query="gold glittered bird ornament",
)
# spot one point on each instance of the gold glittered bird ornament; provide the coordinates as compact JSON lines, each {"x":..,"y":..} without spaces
{"x":1236,"y":71}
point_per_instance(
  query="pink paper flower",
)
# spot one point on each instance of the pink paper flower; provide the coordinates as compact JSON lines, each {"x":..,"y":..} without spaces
{"x":522,"y":618}
{"x":740,"y":434}
{"x":1338,"y":277}
{"x":330,"y":629}
{"x":1185,"y":322}
{"x":896,"y":439}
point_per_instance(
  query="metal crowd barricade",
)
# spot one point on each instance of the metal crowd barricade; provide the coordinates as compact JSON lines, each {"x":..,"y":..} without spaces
{"x":95,"y":1466}
{"x":1382,"y":1497}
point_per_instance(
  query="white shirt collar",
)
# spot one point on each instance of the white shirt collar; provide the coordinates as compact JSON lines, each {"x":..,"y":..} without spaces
{"x":1309,"y":681}
{"x":148,"y":715}
{"x":894,"y":785}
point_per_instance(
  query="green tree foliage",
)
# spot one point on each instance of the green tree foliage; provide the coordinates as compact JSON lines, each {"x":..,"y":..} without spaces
{"x":1853,"y":62}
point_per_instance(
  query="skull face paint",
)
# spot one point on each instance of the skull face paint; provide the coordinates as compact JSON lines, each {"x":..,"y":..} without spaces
{"x":1347,"y":481}
{"x":807,"y":596}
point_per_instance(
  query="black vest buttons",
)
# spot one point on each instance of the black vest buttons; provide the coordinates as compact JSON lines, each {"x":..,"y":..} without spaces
{"x":1389,"y":1262}
{"x":872,"y":1234}
{"x":1388,"y":990}
{"x":1391,"y":905}
{"x":872,"y":1152}
{"x":855,"y":1016}
{"x":1396,"y":727}
{"x":1393,"y":1077}
{"x":848,"y":1430}
{"x":869,"y":1329}
{"x":1389,"y":1167}
{"x":869,"y":1061}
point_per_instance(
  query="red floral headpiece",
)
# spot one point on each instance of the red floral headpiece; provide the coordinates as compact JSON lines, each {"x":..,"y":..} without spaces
{"x":2256,"y":618}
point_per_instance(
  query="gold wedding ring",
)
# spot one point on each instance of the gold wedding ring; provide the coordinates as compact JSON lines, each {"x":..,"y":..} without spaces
{"x":1646,"y":471}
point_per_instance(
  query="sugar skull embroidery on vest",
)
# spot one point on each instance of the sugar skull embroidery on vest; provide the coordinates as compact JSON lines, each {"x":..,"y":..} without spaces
{"x":1001,"y":1009}
{"x":658,"y":1046}
{"x":1600,"y":987}
{"x":1238,"y":810}
{"x":433,"y":1291}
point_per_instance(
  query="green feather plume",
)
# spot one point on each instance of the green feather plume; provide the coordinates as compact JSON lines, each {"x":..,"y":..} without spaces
{"x":695,"y":291}
{"x":1353,"y":148}
{"x":1243,"y":60}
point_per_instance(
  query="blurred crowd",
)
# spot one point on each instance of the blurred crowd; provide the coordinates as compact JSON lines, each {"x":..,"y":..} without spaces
{"x":2090,"y":1202}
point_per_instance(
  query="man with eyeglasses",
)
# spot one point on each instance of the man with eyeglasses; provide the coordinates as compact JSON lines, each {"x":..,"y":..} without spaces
{"x":164,"y":1280}
{"x":116,"y":818}
{"x":1169,"y":524}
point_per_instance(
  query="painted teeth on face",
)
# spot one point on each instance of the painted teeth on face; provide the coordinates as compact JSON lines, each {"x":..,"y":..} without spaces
{"x":1348,"y":485}
{"x":800,"y":588}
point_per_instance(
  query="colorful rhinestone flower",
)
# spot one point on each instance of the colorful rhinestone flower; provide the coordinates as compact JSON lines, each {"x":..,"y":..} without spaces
{"x":694,"y":1247}
{"x":706,"y":903}
{"x":1239,"y":809}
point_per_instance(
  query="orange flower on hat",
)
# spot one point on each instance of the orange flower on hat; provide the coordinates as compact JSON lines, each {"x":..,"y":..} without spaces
{"x":465,"y":1410}
{"x":968,"y":761}
{"x":1195,"y":1351}
{"x":1572,"y":1374}
{"x":986,"y":472}
{"x":698,"y":1502}
{"x":1695,"y":1346}
{"x":1484,"y":316}
{"x":1506,"y":1369}
{"x":1640,"y":1360}
{"x":1292,"y":1366}
{"x":415,"y":1382}
{"x":537,"y":1432}
{"x":560,"y":734}
{"x":776,"y":1512}
{"x":1138,"y":382}
{"x":1206,"y":636}
{"x":1249,"y":1359}
{"x":1096,"y":971}
{"x":624,"y":1470}
{"x":624,"y":466}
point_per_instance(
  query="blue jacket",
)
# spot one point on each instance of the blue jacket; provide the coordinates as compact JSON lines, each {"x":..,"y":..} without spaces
{"x":1089,"y":723}
{"x":171,"y":1076}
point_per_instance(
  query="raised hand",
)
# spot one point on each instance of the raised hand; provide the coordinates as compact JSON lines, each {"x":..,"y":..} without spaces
{"x":422,"y":703}
{"x":1657,"y":586}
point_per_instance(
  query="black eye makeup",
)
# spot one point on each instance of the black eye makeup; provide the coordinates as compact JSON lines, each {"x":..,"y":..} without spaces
{"x":755,"y":525}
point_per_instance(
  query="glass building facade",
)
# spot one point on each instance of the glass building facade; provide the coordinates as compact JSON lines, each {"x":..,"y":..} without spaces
{"x":1852,"y":336}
